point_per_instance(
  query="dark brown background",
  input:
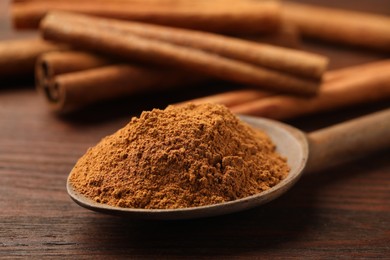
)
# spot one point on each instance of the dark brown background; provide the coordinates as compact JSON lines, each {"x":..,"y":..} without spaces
{"x":343,"y":212}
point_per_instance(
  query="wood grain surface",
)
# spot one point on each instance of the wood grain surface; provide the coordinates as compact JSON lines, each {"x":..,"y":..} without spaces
{"x":343,"y":212}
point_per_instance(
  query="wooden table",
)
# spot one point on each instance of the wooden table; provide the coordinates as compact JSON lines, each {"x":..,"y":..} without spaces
{"x":343,"y":212}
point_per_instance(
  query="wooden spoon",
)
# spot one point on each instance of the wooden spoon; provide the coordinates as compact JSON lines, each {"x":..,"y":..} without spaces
{"x":304,"y":153}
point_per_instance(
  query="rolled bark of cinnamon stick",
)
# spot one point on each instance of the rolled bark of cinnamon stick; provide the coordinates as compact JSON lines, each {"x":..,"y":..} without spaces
{"x":364,"y":84}
{"x":60,"y":62}
{"x":70,"y":91}
{"x":18,"y":57}
{"x":72,"y":79}
{"x":340,"y":26}
{"x":295,"y":62}
{"x":107,"y":38}
{"x":55,"y":63}
{"x":241,"y":19}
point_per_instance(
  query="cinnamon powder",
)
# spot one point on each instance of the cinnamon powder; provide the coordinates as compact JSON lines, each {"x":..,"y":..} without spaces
{"x":183,"y":156}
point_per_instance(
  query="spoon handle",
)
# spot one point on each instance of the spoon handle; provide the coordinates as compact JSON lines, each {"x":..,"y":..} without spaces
{"x":349,"y":140}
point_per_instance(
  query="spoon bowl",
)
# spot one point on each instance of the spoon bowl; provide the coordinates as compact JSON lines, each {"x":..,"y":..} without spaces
{"x":291,"y":143}
{"x":328,"y":147}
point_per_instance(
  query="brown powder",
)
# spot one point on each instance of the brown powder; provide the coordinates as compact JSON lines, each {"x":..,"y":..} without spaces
{"x":186,"y":156}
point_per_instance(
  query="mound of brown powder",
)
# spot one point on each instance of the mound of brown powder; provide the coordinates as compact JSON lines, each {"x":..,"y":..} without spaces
{"x":185,"y":156}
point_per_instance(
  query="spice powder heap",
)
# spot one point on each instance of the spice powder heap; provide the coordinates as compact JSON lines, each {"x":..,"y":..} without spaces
{"x":183,"y":156}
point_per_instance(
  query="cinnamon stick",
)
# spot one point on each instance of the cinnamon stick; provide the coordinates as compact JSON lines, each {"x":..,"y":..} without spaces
{"x":241,"y":19}
{"x":71,"y":80}
{"x":282,"y":59}
{"x":231,"y":98}
{"x":111,"y":39}
{"x":286,"y":36}
{"x":17,"y":57}
{"x":365,"y":83}
{"x":55,"y":63}
{"x":340,"y":26}
{"x":59,"y":62}
{"x":71,"y":91}
{"x":354,"y":70}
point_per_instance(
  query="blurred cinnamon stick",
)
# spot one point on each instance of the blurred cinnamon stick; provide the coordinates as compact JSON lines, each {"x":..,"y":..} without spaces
{"x":18,"y":57}
{"x":114,"y":37}
{"x":340,"y":26}
{"x":282,"y":59}
{"x":71,"y":80}
{"x":240,"y":18}
{"x":354,"y":85}
{"x":287,"y":36}
{"x":353,"y":70}
{"x":231,"y":98}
